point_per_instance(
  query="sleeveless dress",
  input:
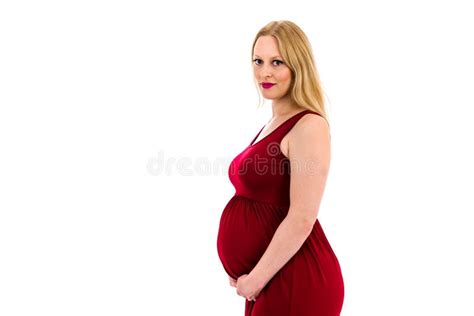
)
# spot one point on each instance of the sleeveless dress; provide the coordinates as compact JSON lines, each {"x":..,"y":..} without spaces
{"x":311,"y":282}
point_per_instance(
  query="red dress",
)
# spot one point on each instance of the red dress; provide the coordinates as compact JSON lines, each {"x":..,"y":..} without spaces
{"x":311,"y":282}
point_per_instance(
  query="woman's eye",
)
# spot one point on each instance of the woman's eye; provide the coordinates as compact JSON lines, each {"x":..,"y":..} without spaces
{"x":276,"y":61}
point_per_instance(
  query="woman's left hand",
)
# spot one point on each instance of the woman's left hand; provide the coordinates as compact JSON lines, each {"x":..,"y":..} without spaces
{"x":247,"y":287}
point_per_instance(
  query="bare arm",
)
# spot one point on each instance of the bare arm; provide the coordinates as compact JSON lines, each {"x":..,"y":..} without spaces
{"x":309,"y":155}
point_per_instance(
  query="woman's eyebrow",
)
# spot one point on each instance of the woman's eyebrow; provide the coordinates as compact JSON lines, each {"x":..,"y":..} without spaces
{"x":272,"y":57}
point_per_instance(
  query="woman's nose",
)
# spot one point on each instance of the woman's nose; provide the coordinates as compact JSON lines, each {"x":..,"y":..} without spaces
{"x":266,"y":71}
{"x":267,"y":74}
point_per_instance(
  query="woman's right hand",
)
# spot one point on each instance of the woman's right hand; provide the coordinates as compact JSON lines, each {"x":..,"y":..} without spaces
{"x":232,"y":282}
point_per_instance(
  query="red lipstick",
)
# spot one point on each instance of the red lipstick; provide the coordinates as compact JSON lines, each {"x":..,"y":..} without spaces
{"x":267,"y":85}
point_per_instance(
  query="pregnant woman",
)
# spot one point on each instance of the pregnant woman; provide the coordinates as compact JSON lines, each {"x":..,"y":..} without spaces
{"x":270,"y":241}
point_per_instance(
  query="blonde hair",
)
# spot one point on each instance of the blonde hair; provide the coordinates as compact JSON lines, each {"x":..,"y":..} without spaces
{"x":305,"y":90}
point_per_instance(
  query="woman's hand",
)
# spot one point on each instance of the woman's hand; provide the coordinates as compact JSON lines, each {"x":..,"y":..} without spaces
{"x":232,"y":282}
{"x":247,"y":287}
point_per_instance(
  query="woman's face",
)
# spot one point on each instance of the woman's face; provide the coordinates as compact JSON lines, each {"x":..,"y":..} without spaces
{"x":268,"y":66}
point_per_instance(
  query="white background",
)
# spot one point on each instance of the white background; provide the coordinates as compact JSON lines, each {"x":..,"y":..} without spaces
{"x":97,"y":96}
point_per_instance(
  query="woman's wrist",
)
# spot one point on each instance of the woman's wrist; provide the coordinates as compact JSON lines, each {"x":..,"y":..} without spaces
{"x":258,"y":280}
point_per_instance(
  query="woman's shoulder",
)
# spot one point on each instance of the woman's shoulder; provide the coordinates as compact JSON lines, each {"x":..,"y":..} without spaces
{"x":310,"y":123}
{"x":310,"y":129}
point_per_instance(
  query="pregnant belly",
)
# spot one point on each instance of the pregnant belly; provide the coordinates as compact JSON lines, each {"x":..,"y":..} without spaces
{"x":245,"y":230}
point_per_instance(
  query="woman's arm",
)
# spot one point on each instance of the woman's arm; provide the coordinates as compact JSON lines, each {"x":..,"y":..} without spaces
{"x":309,"y":155}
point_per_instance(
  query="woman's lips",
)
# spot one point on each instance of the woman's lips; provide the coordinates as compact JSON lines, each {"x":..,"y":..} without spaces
{"x":267,"y":85}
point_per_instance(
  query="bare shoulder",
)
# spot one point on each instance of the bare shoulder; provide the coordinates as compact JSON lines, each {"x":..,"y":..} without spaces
{"x":310,"y":133}
{"x":310,"y":124}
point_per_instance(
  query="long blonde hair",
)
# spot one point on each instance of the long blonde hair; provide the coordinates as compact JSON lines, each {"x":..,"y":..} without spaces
{"x":306,"y":90}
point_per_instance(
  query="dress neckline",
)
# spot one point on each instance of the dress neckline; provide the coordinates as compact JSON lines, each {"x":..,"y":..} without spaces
{"x":277,"y":128}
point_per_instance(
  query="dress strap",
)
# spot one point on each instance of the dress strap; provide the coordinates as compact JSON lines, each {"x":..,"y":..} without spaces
{"x":288,"y":125}
{"x":280,"y":131}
